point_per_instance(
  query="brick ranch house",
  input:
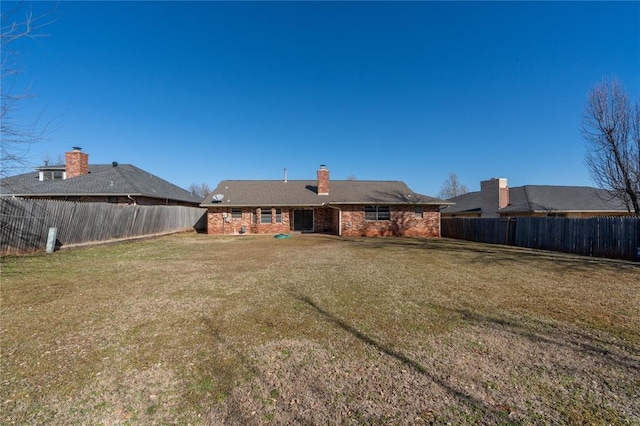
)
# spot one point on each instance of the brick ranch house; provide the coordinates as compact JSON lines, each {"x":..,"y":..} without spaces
{"x":78,"y":180}
{"x":340,"y":207}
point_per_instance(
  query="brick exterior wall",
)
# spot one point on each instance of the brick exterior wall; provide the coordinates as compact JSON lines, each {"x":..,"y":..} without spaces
{"x":403,"y":223}
{"x":323,"y":181}
{"x":217,"y":224}
{"x":327,"y":220}
{"x":323,"y":221}
{"x":76,"y":163}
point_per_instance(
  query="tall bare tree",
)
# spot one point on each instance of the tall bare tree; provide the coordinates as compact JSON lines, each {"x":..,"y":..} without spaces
{"x":611,"y":129}
{"x":201,"y":190}
{"x":17,"y":135}
{"x":452,"y":187}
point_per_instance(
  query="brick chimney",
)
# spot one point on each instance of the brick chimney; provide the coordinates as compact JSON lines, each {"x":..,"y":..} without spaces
{"x":323,"y":180}
{"x":76,"y":163}
{"x":494,"y":194}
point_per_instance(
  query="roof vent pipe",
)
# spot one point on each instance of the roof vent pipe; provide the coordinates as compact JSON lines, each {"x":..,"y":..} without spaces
{"x":285,"y":174}
{"x":114,"y":164}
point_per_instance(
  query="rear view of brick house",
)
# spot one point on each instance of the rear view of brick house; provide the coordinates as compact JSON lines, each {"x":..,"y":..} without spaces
{"x":340,"y":207}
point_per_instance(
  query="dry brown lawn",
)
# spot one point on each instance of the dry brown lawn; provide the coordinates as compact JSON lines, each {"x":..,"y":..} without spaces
{"x":194,"y":329}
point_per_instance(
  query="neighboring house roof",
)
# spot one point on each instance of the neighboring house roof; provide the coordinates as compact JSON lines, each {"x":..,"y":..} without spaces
{"x":544,"y":198}
{"x":465,"y":203}
{"x":245,"y":193}
{"x":102,"y":180}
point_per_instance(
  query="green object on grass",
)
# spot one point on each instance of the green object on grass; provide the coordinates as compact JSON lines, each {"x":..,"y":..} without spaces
{"x":280,"y":236}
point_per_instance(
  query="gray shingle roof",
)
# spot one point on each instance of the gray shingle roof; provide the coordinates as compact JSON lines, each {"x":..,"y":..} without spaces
{"x":465,"y":203}
{"x":102,"y":180}
{"x":304,"y":193}
{"x":545,"y":198}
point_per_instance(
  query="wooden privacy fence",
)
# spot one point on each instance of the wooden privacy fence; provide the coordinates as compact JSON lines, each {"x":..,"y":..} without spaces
{"x":24,"y":224}
{"x":613,"y":237}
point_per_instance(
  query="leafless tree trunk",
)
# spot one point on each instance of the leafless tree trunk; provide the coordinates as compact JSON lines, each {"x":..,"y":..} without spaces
{"x":611,"y":129}
{"x":452,"y":187}
{"x":17,"y":136}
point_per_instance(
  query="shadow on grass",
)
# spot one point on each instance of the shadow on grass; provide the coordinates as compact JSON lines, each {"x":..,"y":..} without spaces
{"x":611,"y":351}
{"x":485,"y":253}
{"x":484,"y":410}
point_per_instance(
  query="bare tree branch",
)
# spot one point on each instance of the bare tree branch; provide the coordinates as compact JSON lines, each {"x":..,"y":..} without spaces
{"x":17,"y":135}
{"x":452,"y":187}
{"x":201,"y":190}
{"x":611,"y":129}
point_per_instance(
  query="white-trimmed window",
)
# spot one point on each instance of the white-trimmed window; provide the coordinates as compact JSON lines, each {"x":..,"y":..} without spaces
{"x":265,"y":215}
{"x":51,"y":175}
{"x":236,"y":213}
{"x":278,"y":215}
{"x":377,"y":213}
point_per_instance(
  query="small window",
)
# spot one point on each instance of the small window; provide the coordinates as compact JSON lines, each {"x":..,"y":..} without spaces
{"x":278,"y":215}
{"x":265,"y":215}
{"x":113,"y":200}
{"x":236,"y":213}
{"x":377,"y":213}
{"x":419,"y":212}
{"x":254,"y":216}
{"x":51,"y":175}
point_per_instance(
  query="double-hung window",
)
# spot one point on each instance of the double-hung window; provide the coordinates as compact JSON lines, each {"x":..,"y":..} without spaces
{"x":419,"y":212}
{"x":278,"y":215}
{"x":265,"y":215}
{"x":377,"y":213}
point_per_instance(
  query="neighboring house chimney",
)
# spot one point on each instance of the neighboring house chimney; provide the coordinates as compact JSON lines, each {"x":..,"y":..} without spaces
{"x":323,"y":180}
{"x":494,"y":196}
{"x":76,"y":163}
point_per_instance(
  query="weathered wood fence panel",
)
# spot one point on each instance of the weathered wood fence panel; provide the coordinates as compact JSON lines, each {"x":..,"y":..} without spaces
{"x":24,"y":224}
{"x":613,"y":237}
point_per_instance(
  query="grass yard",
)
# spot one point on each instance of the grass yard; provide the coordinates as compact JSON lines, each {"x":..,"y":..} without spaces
{"x":195,"y":329}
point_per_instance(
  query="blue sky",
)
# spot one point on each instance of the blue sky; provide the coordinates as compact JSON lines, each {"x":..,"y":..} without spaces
{"x":203,"y":91}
